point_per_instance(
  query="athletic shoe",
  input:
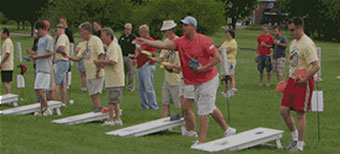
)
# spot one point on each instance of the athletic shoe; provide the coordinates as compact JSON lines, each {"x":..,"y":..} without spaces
{"x":38,"y":113}
{"x":196,"y":143}
{"x":296,"y":149}
{"x":109,"y":123}
{"x":63,"y":105}
{"x":119,"y":123}
{"x":97,"y":109}
{"x":291,"y":145}
{"x":47,"y":112}
{"x":190,"y":133}
{"x":230,"y":131}
{"x":83,"y":89}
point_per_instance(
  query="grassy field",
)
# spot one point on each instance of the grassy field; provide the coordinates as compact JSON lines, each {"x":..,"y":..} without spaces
{"x":251,"y":107}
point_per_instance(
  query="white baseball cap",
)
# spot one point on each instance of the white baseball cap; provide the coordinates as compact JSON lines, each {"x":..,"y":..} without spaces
{"x":168,"y":24}
{"x":189,"y":20}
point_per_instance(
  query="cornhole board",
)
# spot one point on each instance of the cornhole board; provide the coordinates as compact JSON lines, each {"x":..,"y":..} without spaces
{"x":242,"y":140}
{"x":84,"y":118}
{"x":11,"y":99}
{"x":147,"y":127}
{"x":32,"y":108}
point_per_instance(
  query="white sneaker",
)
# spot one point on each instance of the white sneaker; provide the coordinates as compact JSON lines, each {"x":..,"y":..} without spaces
{"x":83,"y":89}
{"x":63,"y":105}
{"x":38,"y":113}
{"x":47,"y":112}
{"x":120,"y":122}
{"x":234,"y":90}
{"x":190,"y":133}
{"x":108,"y":123}
{"x":230,"y":131}
{"x":195,"y":144}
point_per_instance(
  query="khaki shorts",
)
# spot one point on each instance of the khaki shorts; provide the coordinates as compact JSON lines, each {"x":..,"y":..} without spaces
{"x":279,"y":65}
{"x":114,"y":95}
{"x":170,"y":95}
{"x":205,"y":96}
{"x":95,"y":86}
{"x":186,"y":91}
{"x":42,"y":81}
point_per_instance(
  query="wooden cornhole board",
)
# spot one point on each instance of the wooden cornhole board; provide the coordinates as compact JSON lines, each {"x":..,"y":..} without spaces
{"x":84,"y":118}
{"x":32,"y":108}
{"x":147,"y":127}
{"x":242,"y":140}
{"x":10,"y":99}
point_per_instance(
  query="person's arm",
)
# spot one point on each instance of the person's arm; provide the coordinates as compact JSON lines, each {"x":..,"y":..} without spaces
{"x":4,"y":59}
{"x":216,"y":58}
{"x":104,"y":62}
{"x":169,"y":45}
{"x":74,"y":58}
{"x":266,"y":45}
{"x":30,"y":51}
{"x":315,"y":68}
{"x":48,"y":54}
{"x":100,"y":57}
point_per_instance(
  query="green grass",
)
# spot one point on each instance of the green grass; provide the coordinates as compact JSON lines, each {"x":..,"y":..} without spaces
{"x":251,"y":107}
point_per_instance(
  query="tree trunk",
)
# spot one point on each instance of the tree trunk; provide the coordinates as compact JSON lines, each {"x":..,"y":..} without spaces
{"x":32,"y":29}
{"x":18,"y":25}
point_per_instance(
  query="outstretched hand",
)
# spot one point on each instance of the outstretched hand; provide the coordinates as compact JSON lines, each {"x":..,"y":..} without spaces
{"x":139,"y":41}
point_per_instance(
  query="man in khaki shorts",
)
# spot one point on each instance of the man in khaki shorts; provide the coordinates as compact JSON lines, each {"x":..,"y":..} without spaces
{"x":114,"y":75}
{"x":6,"y":60}
{"x":94,"y":51}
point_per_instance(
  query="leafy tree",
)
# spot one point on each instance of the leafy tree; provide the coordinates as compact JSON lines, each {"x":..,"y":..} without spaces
{"x":238,"y":9}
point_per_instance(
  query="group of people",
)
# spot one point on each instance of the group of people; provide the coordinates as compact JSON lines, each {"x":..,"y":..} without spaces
{"x":189,"y":63}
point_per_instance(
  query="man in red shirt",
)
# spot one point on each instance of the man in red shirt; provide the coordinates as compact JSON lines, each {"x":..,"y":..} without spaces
{"x":198,"y":56}
{"x":146,"y":68}
{"x":265,"y":42}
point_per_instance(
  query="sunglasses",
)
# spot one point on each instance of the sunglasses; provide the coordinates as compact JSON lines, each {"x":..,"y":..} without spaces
{"x":292,"y":30}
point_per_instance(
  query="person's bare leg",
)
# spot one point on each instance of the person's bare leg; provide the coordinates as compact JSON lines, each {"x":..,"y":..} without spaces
{"x":83,"y":79}
{"x":301,"y":116}
{"x":63,"y":93}
{"x":268,"y":79}
{"x":117,"y":111}
{"x":288,"y":118}
{"x":204,"y":123}
{"x":189,"y":116}
{"x":225,"y":83}
{"x":261,"y":79}
{"x":111,"y":109}
{"x":56,"y":89}
{"x":218,"y":116}
{"x":52,"y":94}
{"x":165,"y":111}
{"x":96,"y":100}
{"x":7,"y":86}
{"x":233,"y":82}
{"x":42,"y":95}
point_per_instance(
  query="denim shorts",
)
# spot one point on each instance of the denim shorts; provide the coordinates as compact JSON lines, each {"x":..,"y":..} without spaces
{"x":81,"y":67}
{"x":264,"y":62}
{"x":61,"y":71}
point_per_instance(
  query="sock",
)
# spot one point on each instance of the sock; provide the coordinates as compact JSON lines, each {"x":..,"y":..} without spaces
{"x":295,"y":135}
{"x":300,"y":145}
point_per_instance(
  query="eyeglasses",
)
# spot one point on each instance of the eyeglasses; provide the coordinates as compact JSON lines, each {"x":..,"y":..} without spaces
{"x":292,"y":30}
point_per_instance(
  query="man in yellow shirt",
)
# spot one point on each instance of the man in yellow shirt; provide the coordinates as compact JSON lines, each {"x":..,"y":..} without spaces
{"x":114,"y":75}
{"x":298,"y":92}
{"x":228,"y":51}
{"x":94,"y":75}
{"x":62,"y":63}
{"x":6,"y":63}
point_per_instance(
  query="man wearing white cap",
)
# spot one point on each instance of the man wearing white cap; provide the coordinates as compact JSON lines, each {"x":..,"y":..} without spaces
{"x":198,"y":56}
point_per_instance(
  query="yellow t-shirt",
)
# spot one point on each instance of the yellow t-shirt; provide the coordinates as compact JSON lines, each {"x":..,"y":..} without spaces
{"x":301,"y":54}
{"x":7,"y":47}
{"x":63,"y":41}
{"x":81,"y":46}
{"x":94,"y":47}
{"x":173,"y":58}
{"x":231,"y":44}
{"x":114,"y":75}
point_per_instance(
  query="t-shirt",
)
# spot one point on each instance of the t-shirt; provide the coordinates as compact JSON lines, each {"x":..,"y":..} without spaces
{"x":7,"y":47}
{"x":63,"y":41}
{"x":45,"y":45}
{"x":94,"y":47}
{"x":280,"y":51}
{"x":142,"y":59}
{"x":301,"y":54}
{"x":268,"y":39}
{"x":201,"y":49}
{"x":126,"y":43}
{"x":173,"y":58}
{"x":231,"y":44}
{"x":114,"y":75}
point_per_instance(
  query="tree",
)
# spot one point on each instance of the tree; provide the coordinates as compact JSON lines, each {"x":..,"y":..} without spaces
{"x":30,"y":11}
{"x":238,"y":9}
